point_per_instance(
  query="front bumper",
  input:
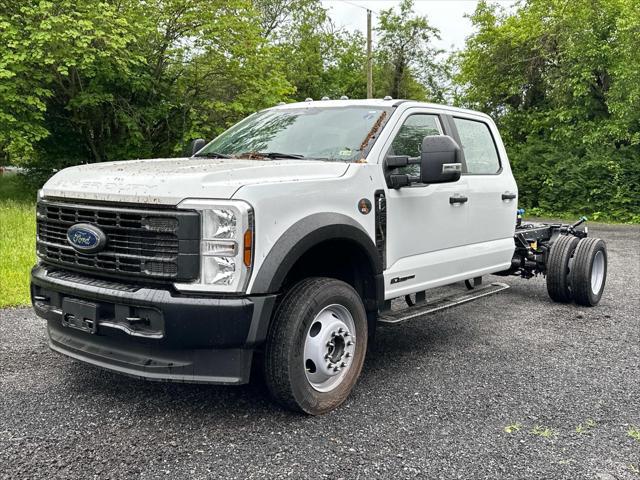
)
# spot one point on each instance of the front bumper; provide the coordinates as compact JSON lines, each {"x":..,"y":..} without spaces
{"x":153,"y":333}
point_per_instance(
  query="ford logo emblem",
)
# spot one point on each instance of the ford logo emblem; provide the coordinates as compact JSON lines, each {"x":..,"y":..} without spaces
{"x":86,"y":238}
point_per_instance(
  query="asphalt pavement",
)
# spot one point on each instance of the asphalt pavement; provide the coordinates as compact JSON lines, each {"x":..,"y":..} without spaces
{"x":509,"y":386}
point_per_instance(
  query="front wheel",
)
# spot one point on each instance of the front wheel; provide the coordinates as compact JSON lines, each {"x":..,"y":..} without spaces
{"x":316,"y":345}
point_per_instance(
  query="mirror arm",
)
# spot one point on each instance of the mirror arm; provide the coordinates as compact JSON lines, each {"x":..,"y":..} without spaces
{"x":396,"y":161}
{"x":399,"y":180}
{"x":399,"y":161}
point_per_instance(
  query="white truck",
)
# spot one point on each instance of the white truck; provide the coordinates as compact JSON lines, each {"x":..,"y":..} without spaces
{"x":284,"y":240}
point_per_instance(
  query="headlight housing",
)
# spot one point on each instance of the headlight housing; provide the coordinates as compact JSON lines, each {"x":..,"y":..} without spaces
{"x":226,"y":245}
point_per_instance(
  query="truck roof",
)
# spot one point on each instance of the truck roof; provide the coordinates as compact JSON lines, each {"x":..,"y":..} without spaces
{"x":376,"y":102}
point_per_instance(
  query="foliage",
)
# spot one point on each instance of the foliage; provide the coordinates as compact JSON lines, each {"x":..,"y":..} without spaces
{"x":561,"y":79}
{"x":86,"y":81}
{"x":97,"y":80}
{"x":407,"y":64}
{"x":93,"y":81}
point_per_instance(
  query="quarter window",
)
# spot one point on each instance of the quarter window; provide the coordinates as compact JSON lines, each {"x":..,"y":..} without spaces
{"x":480,"y":152}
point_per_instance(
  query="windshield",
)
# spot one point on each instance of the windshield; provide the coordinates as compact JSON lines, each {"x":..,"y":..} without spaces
{"x":315,"y":133}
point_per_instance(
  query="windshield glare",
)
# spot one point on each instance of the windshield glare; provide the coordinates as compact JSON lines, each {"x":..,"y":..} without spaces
{"x":315,"y":133}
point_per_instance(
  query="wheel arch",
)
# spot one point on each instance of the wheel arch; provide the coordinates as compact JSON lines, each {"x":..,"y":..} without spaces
{"x":319,"y":232}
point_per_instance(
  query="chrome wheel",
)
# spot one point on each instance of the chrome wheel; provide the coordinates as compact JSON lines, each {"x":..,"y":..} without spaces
{"x":329,"y":347}
{"x":597,"y":272}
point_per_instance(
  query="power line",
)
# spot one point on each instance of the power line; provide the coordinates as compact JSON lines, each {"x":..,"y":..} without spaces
{"x":368,"y":9}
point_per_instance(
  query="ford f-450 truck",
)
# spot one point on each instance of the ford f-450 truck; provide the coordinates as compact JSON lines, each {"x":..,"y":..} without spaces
{"x":285,"y":240}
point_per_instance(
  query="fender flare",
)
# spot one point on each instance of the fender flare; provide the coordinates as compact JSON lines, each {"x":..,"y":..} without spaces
{"x":305,"y":234}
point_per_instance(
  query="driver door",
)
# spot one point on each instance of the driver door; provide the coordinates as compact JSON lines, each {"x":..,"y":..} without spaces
{"x":426,"y":230}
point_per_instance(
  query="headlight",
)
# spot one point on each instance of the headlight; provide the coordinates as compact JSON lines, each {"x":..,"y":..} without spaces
{"x":219,"y":223}
{"x":226,"y":245}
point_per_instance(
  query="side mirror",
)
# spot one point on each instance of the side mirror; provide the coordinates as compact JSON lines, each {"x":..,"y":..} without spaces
{"x":195,"y":146}
{"x":439,"y":160}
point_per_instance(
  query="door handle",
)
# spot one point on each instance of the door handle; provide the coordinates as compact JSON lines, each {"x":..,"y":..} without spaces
{"x":508,"y":196}
{"x":457,"y":199}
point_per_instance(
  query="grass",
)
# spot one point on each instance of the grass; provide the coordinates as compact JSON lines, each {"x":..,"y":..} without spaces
{"x":17,"y":240}
{"x":585,"y":427}
{"x":513,"y":427}
{"x":544,"y":432}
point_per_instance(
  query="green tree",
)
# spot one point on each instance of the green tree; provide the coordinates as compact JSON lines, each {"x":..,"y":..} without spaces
{"x":91,"y":81}
{"x":407,"y":64}
{"x":49,"y":54}
{"x":559,"y":78}
{"x":318,"y":59}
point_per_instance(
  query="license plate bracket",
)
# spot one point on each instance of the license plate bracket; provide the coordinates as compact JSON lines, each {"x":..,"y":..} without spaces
{"x":80,"y":314}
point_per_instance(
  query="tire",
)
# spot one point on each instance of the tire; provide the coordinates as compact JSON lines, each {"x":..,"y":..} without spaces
{"x":589,"y":272}
{"x":298,"y":351}
{"x":558,"y":273}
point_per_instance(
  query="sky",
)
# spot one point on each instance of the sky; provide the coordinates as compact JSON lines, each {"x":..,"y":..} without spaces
{"x":446,"y":15}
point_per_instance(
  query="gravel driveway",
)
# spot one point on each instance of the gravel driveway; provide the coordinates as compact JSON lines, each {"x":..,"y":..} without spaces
{"x":511,"y":386}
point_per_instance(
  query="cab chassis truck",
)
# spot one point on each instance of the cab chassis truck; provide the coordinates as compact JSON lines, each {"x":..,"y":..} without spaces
{"x":285,"y":240}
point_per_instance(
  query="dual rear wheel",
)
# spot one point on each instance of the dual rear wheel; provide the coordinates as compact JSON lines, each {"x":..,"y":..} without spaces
{"x":577,"y":270}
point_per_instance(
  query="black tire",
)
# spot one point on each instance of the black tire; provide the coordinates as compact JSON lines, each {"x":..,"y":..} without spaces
{"x":589,"y":261}
{"x":285,"y":373}
{"x":558,"y":275}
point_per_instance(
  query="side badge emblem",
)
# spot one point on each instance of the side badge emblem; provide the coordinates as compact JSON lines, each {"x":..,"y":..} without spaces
{"x":364,"y":206}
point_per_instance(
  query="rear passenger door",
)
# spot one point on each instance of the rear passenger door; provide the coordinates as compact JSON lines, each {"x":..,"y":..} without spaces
{"x":491,"y":188}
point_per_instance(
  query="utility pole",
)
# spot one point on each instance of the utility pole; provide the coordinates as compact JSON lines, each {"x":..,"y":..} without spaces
{"x":369,"y":58}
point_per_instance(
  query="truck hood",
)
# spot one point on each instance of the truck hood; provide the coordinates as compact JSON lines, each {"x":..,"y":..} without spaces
{"x":168,"y":181}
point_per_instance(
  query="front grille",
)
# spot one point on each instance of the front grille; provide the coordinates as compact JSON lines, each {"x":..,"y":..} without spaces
{"x":159,"y":244}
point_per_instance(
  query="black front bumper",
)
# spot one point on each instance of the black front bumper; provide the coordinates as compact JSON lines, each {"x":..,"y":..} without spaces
{"x":152,"y":333}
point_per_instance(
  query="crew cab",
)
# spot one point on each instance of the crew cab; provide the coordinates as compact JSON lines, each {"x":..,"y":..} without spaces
{"x":286,"y":240}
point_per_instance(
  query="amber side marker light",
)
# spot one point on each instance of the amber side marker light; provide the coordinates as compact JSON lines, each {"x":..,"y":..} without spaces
{"x":248,"y":243}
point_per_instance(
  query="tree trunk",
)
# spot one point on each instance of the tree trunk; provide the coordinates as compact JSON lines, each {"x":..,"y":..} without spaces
{"x":398,"y":73}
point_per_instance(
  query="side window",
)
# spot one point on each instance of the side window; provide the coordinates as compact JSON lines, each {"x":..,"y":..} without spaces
{"x":408,"y":140}
{"x":479,"y":149}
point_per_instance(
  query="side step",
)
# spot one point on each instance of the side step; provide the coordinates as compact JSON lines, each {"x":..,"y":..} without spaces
{"x":399,"y":316}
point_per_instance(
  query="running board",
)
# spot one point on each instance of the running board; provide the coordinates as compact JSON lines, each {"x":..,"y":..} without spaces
{"x":399,"y":316}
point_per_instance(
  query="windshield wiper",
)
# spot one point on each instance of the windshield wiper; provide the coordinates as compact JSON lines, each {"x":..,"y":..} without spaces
{"x":277,"y":155}
{"x":213,"y":155}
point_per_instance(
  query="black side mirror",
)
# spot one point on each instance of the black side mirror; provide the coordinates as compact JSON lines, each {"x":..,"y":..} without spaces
{"x":195,"y":146}
{"x":439,"y":160}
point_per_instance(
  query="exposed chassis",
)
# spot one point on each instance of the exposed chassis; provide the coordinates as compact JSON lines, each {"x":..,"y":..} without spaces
{"x":533,"y":243}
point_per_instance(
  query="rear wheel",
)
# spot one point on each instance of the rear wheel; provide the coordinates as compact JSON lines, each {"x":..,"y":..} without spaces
{"x":589,"y":272}
{"x":316,"y":345}
{"x":558,"y":268}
